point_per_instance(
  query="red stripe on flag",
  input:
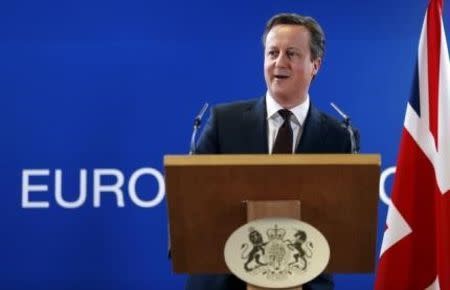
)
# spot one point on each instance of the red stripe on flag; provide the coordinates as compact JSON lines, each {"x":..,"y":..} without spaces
{"x":434,"y":47}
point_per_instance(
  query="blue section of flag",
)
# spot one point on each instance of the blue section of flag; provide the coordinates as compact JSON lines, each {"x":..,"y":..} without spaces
{"x":414,"y":100}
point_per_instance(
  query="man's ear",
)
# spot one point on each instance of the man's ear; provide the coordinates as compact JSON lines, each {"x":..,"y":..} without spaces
{"x":316,"y":65}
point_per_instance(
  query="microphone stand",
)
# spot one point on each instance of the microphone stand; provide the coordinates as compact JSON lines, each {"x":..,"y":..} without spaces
{"x":197,"y":122}
{"x":354,"y":134}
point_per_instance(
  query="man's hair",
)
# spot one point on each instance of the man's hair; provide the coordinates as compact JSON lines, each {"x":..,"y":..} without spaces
{"x":317,"y":36}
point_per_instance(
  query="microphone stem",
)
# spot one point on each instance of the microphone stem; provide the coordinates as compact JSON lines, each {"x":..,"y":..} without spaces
{"x":193,"y":138}
{"x":352,"y":138}
{"x":346,"y":123}
{"x":197,"y":122}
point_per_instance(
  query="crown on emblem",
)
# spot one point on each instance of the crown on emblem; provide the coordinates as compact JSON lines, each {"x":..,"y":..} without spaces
{"x":276,"y":233}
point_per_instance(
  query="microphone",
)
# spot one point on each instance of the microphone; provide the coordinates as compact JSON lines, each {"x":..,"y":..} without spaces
{"x":197,"y":122}
{"x":354,"y":133}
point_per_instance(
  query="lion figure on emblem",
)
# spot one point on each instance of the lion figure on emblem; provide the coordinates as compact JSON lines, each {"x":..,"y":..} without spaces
{"x":256,"y":252}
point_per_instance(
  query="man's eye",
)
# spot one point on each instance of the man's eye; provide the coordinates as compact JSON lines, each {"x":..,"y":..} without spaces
{"x":292,"y":54}
{"x":272,"y":53}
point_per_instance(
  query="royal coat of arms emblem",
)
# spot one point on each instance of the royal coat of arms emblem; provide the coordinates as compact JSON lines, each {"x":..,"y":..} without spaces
{"x":276,"y":253}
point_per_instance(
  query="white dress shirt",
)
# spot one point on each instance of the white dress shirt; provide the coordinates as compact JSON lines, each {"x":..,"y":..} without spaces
{"x":274,"y":120}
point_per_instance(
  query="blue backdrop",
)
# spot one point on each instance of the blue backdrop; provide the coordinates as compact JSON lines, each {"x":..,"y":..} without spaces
{"x":93,"y":91}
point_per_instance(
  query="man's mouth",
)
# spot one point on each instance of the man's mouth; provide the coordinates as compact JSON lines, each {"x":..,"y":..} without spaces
{"x":281,"y":76}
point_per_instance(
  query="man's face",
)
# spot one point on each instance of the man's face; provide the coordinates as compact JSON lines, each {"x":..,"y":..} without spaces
{"x":288,"y":68}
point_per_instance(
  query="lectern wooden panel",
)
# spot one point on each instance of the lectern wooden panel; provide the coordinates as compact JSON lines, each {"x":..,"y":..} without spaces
{"x":206,"y":194}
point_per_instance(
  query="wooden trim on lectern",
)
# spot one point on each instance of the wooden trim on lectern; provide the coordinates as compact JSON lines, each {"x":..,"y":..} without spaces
{"x":277,"y":159}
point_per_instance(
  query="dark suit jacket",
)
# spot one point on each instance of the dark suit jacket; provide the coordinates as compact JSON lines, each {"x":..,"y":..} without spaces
{"x":240,"y":128}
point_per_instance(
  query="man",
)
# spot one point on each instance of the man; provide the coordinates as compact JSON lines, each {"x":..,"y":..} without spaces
{"x":283,"y":121}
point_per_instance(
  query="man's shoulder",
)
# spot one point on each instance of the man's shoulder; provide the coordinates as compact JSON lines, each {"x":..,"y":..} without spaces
{"x":333,"y":134}
{"x":237,"y":106}
{"x":329,"y":121}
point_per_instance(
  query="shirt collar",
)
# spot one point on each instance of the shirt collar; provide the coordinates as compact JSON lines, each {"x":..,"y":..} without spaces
{"x":299,"y":111}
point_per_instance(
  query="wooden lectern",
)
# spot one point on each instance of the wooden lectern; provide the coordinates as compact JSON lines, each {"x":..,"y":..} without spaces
{"x":208,"y":199}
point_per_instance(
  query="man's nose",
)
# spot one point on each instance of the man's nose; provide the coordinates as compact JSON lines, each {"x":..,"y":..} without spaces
{"x":282,"y":60}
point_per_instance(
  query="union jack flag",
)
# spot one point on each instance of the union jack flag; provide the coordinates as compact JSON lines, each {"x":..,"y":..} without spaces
{"x":415,"y":253}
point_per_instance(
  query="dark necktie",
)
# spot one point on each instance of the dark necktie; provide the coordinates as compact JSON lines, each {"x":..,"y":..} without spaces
{"x":283,"y":142}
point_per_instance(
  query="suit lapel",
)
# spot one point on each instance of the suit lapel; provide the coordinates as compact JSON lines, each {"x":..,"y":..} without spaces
{"x":255,"y":127}
{"x":312,"y":132}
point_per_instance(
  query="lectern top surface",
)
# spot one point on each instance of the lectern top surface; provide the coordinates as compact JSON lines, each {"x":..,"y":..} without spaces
{"x":278,"y":159}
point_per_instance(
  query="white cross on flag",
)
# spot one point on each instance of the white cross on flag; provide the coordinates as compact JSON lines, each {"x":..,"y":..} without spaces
{"x":415,"y":253}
